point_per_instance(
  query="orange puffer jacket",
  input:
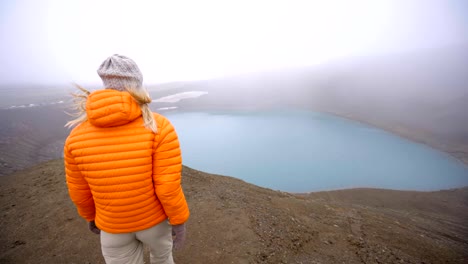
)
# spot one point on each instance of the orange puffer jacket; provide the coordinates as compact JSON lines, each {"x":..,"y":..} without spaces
{"x":121,"y":174}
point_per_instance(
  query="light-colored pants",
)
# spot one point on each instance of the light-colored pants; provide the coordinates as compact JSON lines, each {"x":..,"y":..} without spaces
{"x":127,"y":248}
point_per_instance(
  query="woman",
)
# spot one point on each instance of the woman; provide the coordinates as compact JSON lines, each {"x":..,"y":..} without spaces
{"x":123,"y":168}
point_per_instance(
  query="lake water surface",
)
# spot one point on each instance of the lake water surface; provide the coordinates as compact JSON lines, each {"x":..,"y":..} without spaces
{"x":299,"y":151}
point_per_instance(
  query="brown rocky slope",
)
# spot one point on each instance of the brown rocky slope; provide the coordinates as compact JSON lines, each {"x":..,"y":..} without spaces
{"x":236,"y":222}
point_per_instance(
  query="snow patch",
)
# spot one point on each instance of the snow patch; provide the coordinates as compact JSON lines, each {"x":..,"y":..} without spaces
{"x":167,"y":108}
{"x":180,"y":96}
{"x":33,"y":105}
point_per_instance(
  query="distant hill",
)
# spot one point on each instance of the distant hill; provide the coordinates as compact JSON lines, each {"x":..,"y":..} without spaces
{"x":236,"y":222}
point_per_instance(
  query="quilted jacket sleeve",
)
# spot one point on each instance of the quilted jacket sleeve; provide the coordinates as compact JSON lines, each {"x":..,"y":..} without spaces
{"x":78,"y":188}
{"x":167,"y":168}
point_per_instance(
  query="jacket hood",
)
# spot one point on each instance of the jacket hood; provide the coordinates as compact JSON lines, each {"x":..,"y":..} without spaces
{"x":109,"y":108}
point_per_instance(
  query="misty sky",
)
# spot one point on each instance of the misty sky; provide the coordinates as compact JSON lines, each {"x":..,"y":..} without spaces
{"x":55,"y":41}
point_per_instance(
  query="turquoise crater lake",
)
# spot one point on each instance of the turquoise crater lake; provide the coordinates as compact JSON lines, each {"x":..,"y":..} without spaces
{"x":299,"y":151}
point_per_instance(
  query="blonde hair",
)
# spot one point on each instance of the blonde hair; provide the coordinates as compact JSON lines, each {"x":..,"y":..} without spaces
{"x":140,"y":95}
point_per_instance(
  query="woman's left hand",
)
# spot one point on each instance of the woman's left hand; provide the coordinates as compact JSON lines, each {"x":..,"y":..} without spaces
{"x":179,"y":232}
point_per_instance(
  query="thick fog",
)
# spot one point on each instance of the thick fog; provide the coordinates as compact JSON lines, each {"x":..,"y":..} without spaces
{"x":56,"y":41}
{"x":420,"y":95}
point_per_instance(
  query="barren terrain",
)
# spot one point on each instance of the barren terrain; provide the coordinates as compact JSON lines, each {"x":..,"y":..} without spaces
{"x":236,"y":222}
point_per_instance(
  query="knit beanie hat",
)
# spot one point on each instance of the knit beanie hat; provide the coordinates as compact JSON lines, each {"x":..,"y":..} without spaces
{"x":118,"y":72}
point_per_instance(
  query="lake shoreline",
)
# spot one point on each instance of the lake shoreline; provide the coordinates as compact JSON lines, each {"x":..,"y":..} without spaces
{"x":408,"y":135}
{"x":315,"y":150}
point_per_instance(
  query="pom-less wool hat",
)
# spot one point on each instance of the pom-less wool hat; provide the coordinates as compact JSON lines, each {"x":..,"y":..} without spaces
{"x":118,"y":72}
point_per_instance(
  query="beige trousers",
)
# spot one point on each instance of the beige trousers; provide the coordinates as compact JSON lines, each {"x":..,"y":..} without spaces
{"x":127,"y":248}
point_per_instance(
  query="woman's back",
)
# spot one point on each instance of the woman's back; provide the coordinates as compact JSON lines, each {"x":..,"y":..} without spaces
{"x":114,"y":154}
{"x":123,"y":164}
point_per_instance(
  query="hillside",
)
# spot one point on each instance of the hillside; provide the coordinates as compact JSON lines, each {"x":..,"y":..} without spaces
{"x":31,"y":135}
{"x":236,"y":222}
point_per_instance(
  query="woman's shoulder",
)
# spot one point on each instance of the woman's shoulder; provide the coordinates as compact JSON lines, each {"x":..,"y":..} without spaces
{"x":159,"y":118}
{"x":162,"y":121}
